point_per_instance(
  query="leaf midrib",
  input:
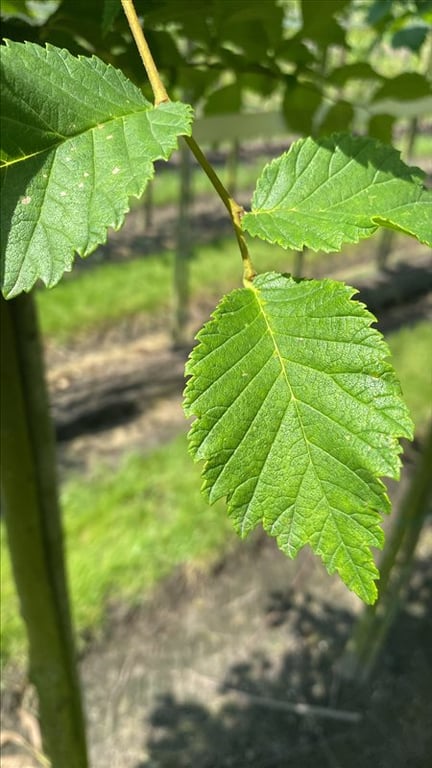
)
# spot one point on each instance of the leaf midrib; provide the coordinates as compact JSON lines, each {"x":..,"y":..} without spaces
{"x":261,"y":306}
{"x":320,"y":212}
{"x":53,"y":147}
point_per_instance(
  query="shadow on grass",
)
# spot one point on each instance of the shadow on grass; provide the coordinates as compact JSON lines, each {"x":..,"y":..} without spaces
{"x":247,"y":723}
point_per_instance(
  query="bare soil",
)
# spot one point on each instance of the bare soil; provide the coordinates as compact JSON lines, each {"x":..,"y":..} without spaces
{"x":240,"y":668}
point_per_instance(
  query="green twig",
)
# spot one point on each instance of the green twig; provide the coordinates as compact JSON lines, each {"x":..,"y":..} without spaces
{"x":183,"y":251}
{"x":158,"y":88}
{"x":235,"y":210}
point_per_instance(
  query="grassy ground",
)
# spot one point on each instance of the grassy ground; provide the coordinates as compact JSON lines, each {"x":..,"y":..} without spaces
{"x":124,"y":532}
{"x":127,"y":530}
{"x":110,"y":292}
{"x":410,"y":347}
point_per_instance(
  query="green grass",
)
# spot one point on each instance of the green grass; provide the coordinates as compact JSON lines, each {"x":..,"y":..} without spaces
{"x":129,"y":528}
{"x":108,"y":293}
{"x":410,"y":348}
{"x":125,"y":531}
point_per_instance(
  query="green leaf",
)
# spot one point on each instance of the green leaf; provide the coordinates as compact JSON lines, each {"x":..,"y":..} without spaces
{"x":111,"y":10}
{"x":338,"y":118}
{"x":411,"y":37}
{"x":298,"y":414}
{"x":381,"y":127}
{"x":225,"y":100}
{"x":36,"y":12}
{"x":252,"y":26}
{"x":358,"y":70}
{"x":326,"y":192}
{"x":321,"y":24}
{"x":405,"y":87}
{"x":261,"y":84}
{"x":379,"y":10}
{"x":78,"y":139}
{"x":300,"y":104}
{"x":295,"y":51}
{"x":14,"y":8}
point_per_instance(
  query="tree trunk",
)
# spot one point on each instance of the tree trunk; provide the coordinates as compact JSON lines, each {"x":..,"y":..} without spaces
{"x":148,"y":206}
{"x":183,"y":251}
{"x":232,"y":167}
{"x":32,"y":516}
{"x":374,"y":624}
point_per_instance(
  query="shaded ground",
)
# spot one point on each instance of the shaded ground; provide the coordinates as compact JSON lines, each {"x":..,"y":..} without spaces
{"x":214,"y":674}
{"x":238,"y":668}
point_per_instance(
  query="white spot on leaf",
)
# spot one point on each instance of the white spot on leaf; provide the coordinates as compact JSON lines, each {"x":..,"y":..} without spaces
{"x":115,"y":170}
{"x":26,"y":200}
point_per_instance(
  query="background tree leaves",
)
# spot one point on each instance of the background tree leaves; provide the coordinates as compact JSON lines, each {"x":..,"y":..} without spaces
{"x":216,"y":41}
